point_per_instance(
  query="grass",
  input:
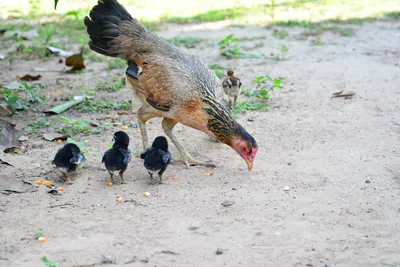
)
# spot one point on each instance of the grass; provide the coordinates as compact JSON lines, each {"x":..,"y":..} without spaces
{"x":102,"y":106}
{"x":243,"y":107}
{"x":116,"y":63}
{"x":185,"y":41}
{"x":282,"y":34}
{"x":116,"y":85}
{"x":34,"y":126}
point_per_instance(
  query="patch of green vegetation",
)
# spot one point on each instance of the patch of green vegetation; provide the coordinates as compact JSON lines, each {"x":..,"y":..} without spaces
{"x":264,"y":85}
{"x":185,"y":41}
{"x":218,"y":67}
{"x":102,"y":106}
{"x":50,"y":263}
{"x":219,"y":73}
{"x":34,"y":126}
{"x":317,"y":42}
{"x":283,"y":49}
{"x":117,"y":84}
{"x":243,"y":107}
{"x":210,"y":16}
{"x":116,"y":63}
{"x":229,"y":47}
{"x":282,"y":34}
{"x":25,"y":96}
{"x":73,"y":127}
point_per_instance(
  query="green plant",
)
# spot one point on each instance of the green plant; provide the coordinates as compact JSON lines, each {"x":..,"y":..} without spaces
{"x":219,"y":73}
{"x":34,"y":93}
{"x":116,"y":63}
{"x":263,"y":87}
{"x":283,"y":49}
{"x":280,"y":34}
{"x":243,"y":107}
{"x":229,"y":47}
{"x":34,"y":126}
{"x":185,"y":41}
{"x":317,"y":42}
{"x":73,"y":126}
{"x":115,"y":86}
{"x":50,"y":263}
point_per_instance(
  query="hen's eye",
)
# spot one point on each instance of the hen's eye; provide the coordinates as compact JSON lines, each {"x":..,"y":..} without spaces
{"x":244,"y":149}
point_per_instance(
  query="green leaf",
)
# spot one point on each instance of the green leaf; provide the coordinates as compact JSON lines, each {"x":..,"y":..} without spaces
{"x":63,"y":107}
{"x":12,"y":99}
{"x":81,"y":144}
{"x":278,"y":83}
{"x":50,"y":263}
{"x":38,"y":234}
{"x":55,"y":4}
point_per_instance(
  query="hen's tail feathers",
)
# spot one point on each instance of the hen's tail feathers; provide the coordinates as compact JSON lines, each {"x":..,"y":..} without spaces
{"x":112,"y":30}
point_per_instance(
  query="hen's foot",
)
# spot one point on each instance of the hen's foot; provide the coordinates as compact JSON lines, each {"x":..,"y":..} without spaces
{"x":189,"y":161}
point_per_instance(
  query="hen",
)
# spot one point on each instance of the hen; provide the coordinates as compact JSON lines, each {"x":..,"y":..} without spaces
{"x":231,"y":85}
{"x":170,"y":83}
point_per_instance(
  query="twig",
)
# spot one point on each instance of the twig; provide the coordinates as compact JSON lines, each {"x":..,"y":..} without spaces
{"x":61,"y":205}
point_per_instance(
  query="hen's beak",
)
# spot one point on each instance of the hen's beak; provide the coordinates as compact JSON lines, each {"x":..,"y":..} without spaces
{"x":249,"y":164}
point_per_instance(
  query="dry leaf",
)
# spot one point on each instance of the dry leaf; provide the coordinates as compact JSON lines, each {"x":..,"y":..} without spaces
{"x":55,"y":136}
{"x":8,"y":136}
{"x":75,"y":61}
{"x":29,"y":77}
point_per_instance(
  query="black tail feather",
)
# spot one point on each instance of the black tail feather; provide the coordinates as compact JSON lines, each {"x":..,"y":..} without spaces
{"x":102,"y":25}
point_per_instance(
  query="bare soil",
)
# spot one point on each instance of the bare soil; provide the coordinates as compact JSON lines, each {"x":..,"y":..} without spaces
{"x":340,"y":157}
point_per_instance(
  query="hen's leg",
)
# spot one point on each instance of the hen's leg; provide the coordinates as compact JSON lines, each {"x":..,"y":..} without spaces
{"x":168,"y":125}
{"x":144,"y":114}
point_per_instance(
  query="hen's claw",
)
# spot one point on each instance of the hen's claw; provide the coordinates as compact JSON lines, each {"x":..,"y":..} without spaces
{"x":189,"y":161}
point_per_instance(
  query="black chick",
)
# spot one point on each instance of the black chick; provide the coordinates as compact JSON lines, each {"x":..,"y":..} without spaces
{"x":117,"y":158}
{"x":68,"y":158}
{"x":157,"y":158}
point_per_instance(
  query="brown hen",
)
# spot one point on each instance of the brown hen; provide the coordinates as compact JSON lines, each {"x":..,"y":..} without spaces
{"x":170,"y":83}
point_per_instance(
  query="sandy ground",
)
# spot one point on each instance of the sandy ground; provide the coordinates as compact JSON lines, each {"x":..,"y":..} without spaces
{"x":340,"y":158}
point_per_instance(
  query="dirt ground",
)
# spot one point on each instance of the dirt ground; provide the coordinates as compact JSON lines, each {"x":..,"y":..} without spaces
{"x":341,"y":158}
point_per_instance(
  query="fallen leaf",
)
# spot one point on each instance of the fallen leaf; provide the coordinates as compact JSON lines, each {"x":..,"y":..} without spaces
{"x":345,"y":94}
{"x":11,"y":185}
{"x":8,"y":136}
{"x":55,"y":136}
{"x":227,"y":203}
{"x":63,"y":107}
{"x":58,"y":51}
{"x":20,"y":162}
{"x":29,"y":77}
{"x":75,"y":61}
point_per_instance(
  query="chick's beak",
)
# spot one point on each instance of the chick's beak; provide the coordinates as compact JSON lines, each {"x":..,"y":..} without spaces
{"x":249,"y":164}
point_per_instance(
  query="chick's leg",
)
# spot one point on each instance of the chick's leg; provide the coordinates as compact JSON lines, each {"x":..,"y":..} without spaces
{"x":168,"y":125}
{"x":144,"y":114}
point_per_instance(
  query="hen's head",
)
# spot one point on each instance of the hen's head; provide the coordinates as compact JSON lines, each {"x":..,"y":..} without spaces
{"x":230,"y":132}
{"x":246,"y":146}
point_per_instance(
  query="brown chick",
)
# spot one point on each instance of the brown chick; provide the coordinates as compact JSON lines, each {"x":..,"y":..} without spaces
{"x":169,"y":83}
{"x":231,"y":85}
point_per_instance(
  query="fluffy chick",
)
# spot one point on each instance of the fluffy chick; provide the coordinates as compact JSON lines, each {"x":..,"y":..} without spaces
{"x":117,"y":158}
{"x":67,"y":159}
{"x":157,"y":158}
{"x":231,"y":85}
